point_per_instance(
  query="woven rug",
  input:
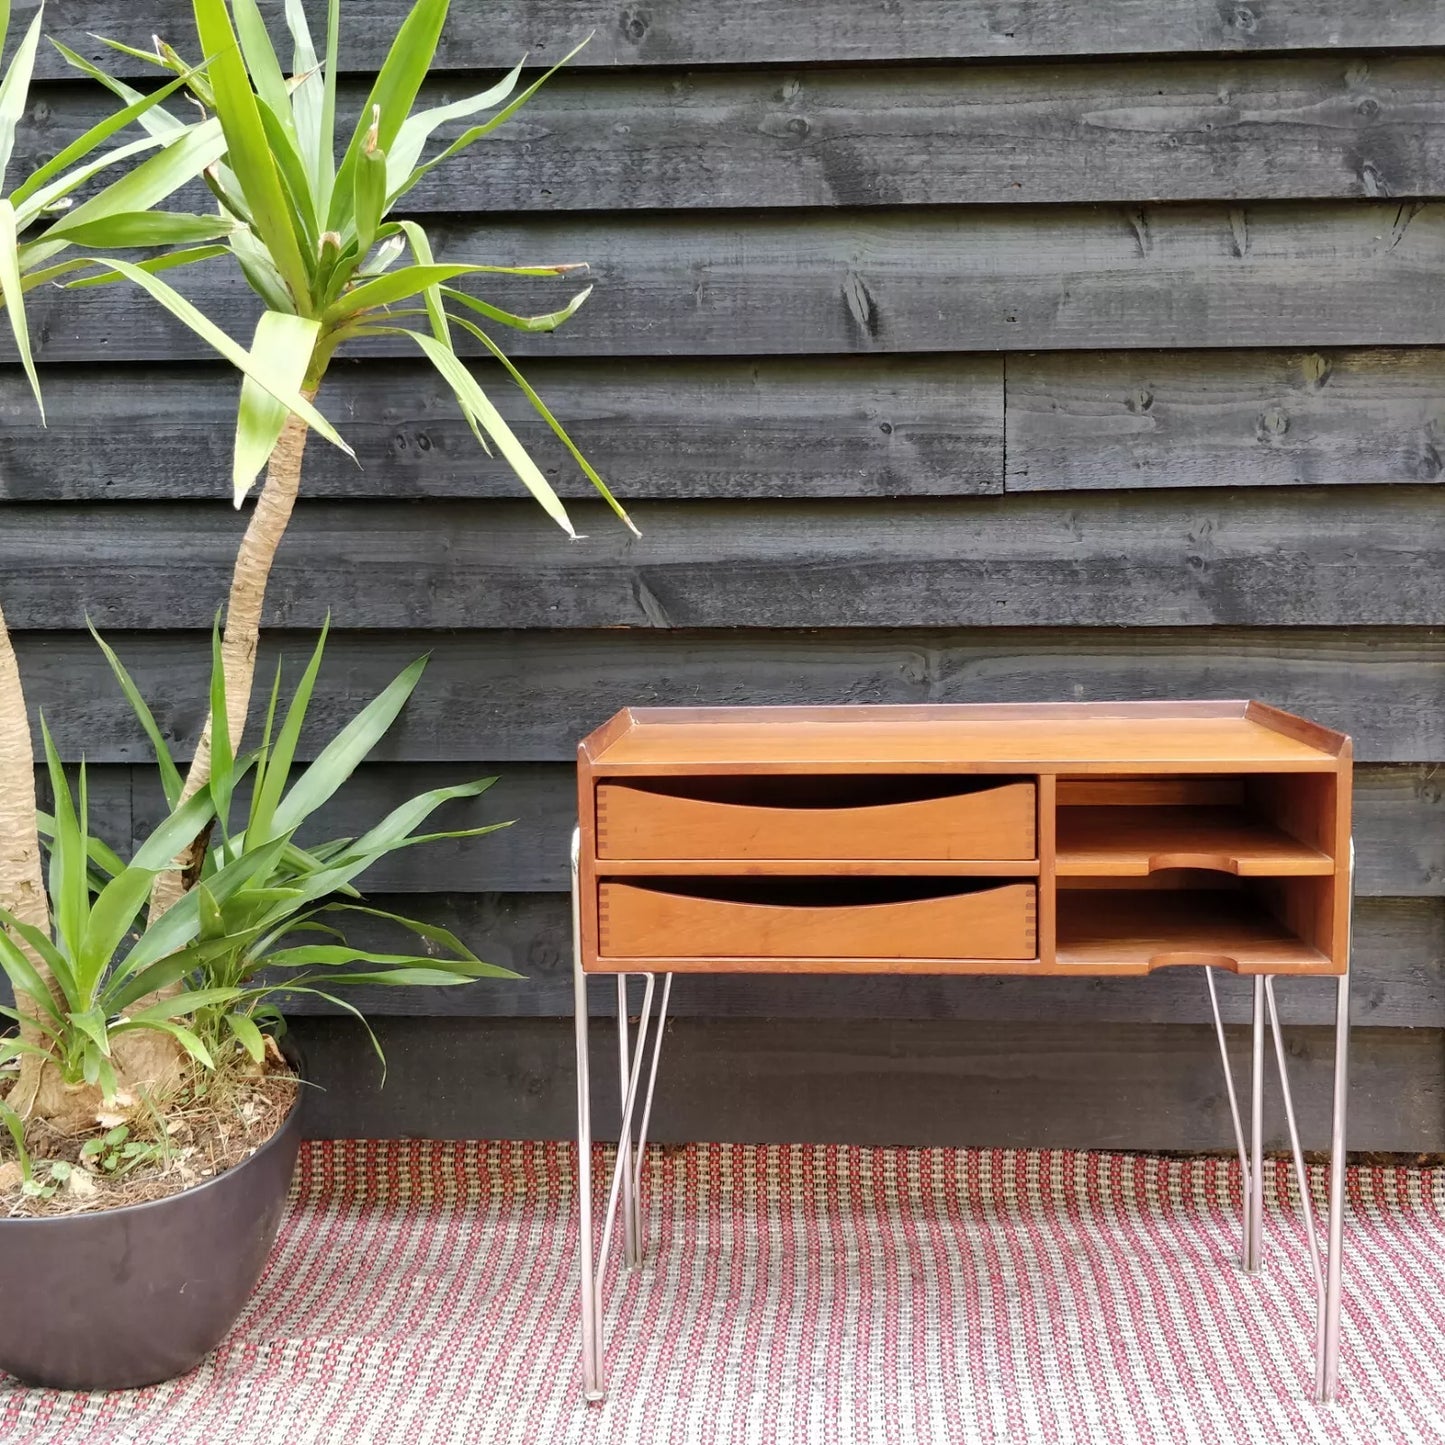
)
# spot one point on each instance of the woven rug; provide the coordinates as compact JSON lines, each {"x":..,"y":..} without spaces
{"x":425,"y":1292}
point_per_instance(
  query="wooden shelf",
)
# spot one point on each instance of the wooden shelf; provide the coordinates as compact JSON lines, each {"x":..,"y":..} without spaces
{"x":1130,"y":842}
{"x":1136,"y":930}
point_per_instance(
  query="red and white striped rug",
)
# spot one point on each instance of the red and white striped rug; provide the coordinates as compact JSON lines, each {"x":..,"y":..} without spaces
{"x":425,"y":1292}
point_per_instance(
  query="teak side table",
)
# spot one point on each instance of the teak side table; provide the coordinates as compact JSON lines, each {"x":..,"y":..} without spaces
{"x":1047,"y":839}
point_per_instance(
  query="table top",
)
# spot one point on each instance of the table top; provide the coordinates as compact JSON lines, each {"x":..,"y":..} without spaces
{"x":1207,"y":737}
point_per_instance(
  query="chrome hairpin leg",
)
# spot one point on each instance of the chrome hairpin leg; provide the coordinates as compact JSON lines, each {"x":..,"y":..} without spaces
{"x":591,"y":1322}
{"x":1251,"y":1156}
{"x":625,"y":1188}
{"x":630,"y":1223}
{"x":1327,"y":1271}
{"x":1327,"y":1343}
{"x":1248,"y":1250}
{"x":1254,"y":1216}
{"x":1327,"y":1365}
{"x":641,"y":1149}
{"x":1301,"y":1174}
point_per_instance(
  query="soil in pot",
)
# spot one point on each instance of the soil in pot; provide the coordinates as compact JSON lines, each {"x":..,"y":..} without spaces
{"x":135,"y":1155}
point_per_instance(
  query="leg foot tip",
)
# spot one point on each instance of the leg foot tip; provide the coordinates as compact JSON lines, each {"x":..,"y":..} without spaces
{"x":595,"y":1397}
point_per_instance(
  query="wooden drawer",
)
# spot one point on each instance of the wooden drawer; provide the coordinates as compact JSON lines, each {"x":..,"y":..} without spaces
{"x":712,"y":919}
{"x":644,"y":823}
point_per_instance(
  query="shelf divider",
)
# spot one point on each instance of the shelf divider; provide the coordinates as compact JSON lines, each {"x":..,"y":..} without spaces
{"x":1132,"y":842}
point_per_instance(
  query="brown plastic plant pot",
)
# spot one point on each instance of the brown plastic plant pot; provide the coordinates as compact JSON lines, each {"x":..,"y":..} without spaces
{"x":127,"y":1297}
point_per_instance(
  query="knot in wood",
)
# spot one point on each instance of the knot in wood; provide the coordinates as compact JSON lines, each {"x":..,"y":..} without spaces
{"x":634,"y":23}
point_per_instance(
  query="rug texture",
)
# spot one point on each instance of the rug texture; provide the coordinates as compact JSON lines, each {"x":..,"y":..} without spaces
{"x":426,"y":1292}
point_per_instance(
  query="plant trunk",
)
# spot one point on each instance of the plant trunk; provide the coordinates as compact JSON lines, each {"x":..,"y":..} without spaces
{"x":242,"y":634}
{"x":22,"y":885}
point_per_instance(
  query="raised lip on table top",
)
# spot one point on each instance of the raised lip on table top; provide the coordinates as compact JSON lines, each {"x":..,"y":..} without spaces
{"x":1321,"y":748}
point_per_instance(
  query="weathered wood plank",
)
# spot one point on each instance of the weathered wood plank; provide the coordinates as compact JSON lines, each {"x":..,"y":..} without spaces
{"x":1224,"y":419}
{"x":1400,"y":830}
{"x":835,"y":426}
{"x":1134,"y":131}
{"x":1399,"y":826}
{"x":898,"y":279}
{"x":527,"y":697}
{"x":1398,"y":978}
{"x":1327,"y":557}
{"x":1125,"y":1086}
{"x":736,"y":32}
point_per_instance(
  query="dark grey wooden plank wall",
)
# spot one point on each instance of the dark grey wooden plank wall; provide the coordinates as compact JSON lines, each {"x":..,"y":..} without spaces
{"x":944,"y":353}
{"x":733,"y":32}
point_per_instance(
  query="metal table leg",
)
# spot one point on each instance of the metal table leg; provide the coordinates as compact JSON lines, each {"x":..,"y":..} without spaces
{"x":1254,"y":1216}
{"x":591,"y":1288}
{"x":625,"y":1187}
{"x":1327,"y":1270}
{"x":1247,"y":1252}
{"x":624,"y":1144}
{"x":1327,"y":1367}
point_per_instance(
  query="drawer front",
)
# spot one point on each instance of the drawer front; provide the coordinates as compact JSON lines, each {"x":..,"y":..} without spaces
{"x":996,"y":822}
{"x":642,"y":922}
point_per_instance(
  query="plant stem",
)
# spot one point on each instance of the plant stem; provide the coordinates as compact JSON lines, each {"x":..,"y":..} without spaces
{"x":241,"y":638}
{"x":22,"y":885}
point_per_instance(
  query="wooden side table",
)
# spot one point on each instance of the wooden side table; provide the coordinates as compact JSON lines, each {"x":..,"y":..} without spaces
{"x":1041,"y":839}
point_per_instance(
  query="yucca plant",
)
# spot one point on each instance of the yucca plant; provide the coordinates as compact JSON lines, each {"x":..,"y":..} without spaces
{"x":261,"y":898}
{"x":44,"y":237}
{"x":315,"y":237}
{"x":263,"y":922}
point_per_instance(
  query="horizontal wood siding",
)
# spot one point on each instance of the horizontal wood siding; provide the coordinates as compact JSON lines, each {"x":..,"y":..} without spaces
{"x":941,"y":135}
{"x":1101,"y":559}
{"x":1016,"y":350}
{"x":1039,"y":1083}
{"x":1130,"y":420}
{"x":1023,"y":278}
{"x":841,"y":426}
{"x":757,"y":32}
{"x":513,"y":697}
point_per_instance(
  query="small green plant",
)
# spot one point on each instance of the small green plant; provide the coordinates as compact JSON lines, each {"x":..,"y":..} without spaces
{"x":54,"y":1174}
{"x":116,"y":1153}
{"x":16,"y":1127}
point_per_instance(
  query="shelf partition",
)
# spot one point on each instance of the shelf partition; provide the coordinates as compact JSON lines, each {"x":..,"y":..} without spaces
{"x":1130,"y":842}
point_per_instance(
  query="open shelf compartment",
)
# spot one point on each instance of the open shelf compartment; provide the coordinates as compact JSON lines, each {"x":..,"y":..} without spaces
{"x":1267,"y":928}
{"x":1107,"y":842}
{"x":1270,"y":826}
